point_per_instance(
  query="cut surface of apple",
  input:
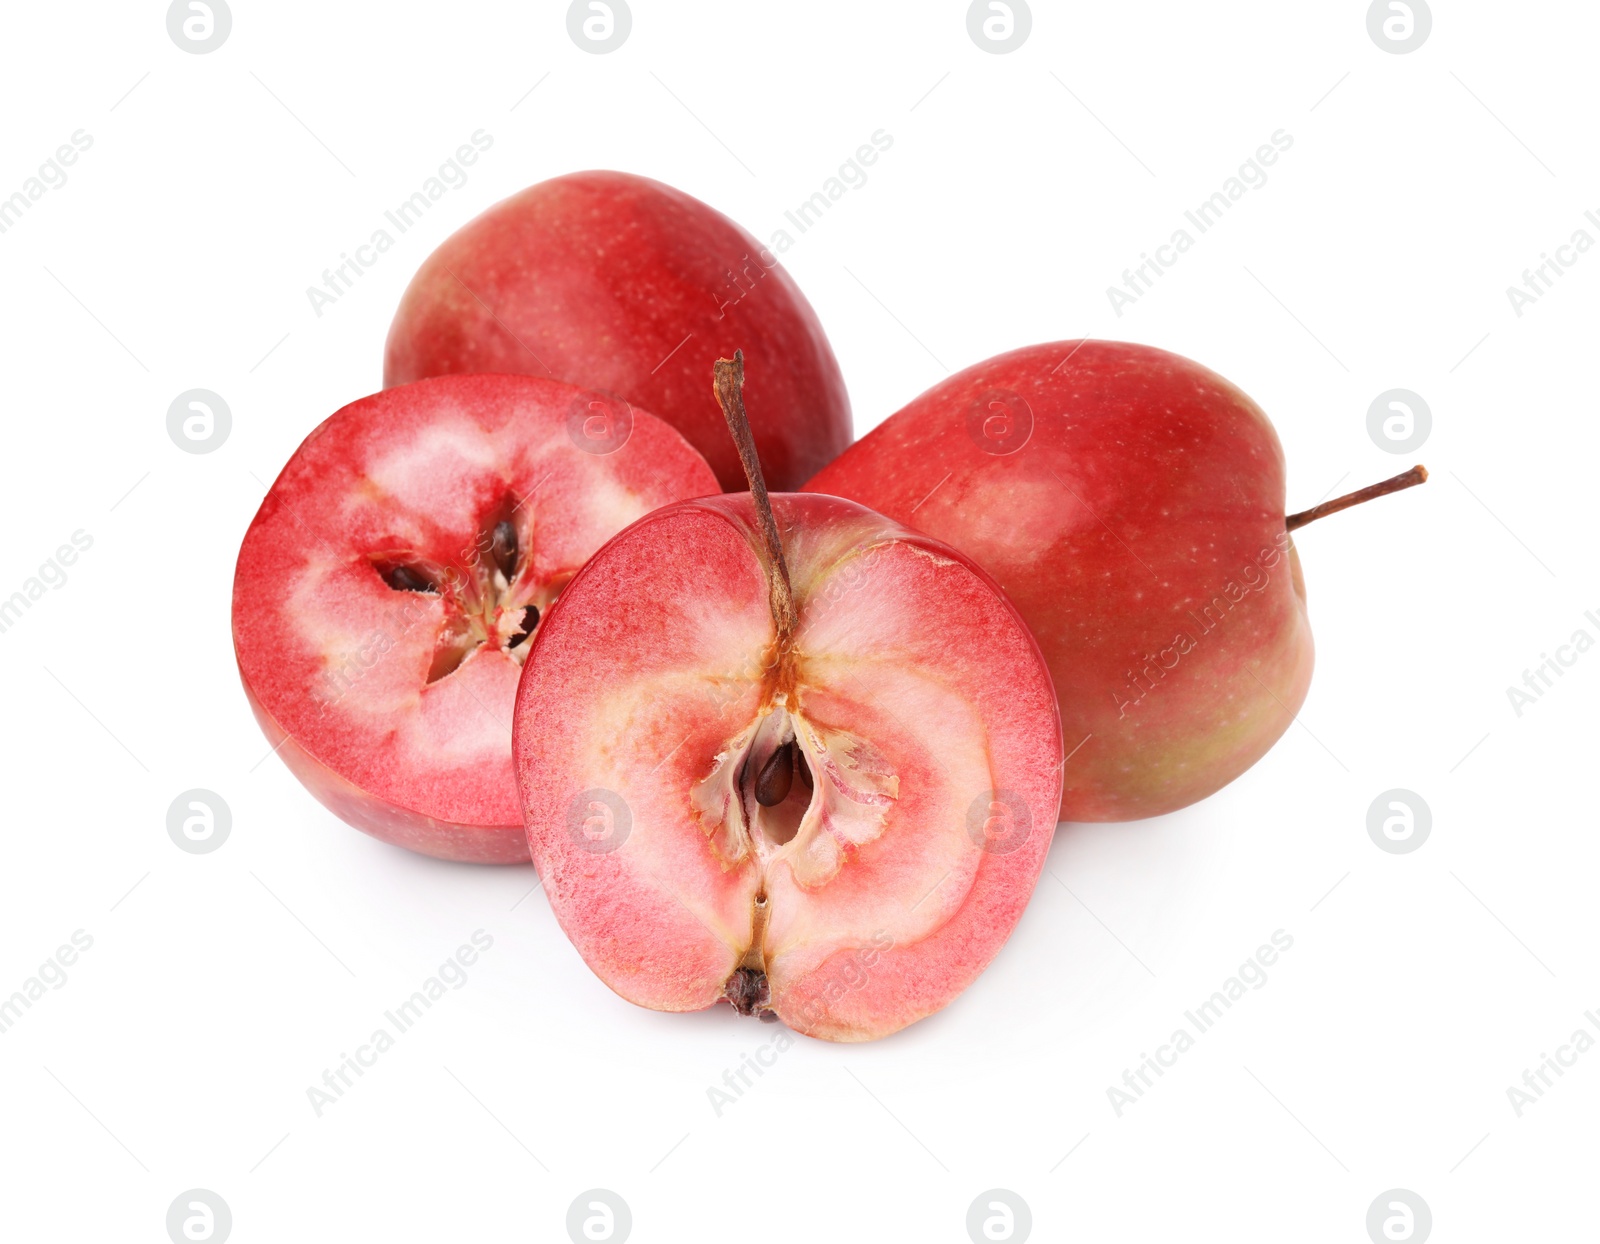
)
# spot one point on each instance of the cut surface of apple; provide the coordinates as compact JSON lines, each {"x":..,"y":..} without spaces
{"x":838,"y":826}
{"x":389,"y":586}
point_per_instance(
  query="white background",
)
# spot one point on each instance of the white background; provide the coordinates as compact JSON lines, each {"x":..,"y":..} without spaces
{"x":1018,"y":187}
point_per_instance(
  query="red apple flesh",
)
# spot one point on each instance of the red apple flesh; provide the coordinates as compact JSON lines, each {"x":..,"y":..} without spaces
{"x":387,"y":589}
{"x":835,"y":821}
{"x":1131,"y":504}
{"x":622,"y":284}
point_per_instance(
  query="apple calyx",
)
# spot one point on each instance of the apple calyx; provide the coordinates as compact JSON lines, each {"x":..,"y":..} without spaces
{"x":1406,"y":479}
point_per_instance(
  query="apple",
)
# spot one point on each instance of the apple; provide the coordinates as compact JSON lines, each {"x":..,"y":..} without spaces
{"x":387,"y":589}
{"x":622,"y":284}
{"x":1131,"y":504}
{"x":784,"y":752}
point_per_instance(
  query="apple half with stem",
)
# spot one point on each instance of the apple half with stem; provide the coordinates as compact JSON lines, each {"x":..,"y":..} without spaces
{"x":783,"y":752}
{"x":388,"y":587}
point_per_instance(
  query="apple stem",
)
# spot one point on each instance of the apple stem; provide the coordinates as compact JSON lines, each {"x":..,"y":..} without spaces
{"x":728,"y":382}
{"x":1406,"y":479}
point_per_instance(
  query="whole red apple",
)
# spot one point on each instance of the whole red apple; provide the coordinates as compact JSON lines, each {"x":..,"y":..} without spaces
{"x":1131,"y":504}
{"x":388,"y":586}
{"x":620,"y":283}
{"x":786,"y":753}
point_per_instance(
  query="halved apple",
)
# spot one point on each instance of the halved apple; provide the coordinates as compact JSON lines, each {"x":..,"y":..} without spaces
{"x":801,"y":759}
{"x":387,"y":589}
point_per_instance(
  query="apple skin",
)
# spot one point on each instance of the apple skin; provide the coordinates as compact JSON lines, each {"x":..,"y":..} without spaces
{"x":907,"y":664}
{"x":464,"y":839}
{"x":341,"y":668}
{"x":1139,"y":529}
{"x":622,"y":284}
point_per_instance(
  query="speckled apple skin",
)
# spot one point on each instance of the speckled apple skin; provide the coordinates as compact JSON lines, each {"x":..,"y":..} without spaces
{"x":619,"y":283}
{"x":1139,"y":529}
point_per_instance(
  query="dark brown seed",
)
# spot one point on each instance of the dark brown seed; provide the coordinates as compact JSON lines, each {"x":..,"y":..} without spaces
{"x":776,"y":777}
{"x":503,"y":546}
{"x":530,"y":619}
{"x":405,"y":579}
